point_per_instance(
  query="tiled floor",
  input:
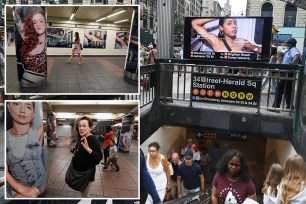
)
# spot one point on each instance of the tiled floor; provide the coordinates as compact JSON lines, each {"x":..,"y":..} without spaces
{"x":96,"y":75}
{"x":107,"y":183}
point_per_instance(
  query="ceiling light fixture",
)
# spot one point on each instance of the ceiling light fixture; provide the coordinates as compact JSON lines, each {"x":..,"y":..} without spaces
{"x":114,"y":14}
{"x":121,"y":21}
{"x":72,"y":15}
{"x":101,"y":19}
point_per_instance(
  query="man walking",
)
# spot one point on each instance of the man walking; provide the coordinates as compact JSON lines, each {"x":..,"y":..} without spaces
{"x":190,"y":172}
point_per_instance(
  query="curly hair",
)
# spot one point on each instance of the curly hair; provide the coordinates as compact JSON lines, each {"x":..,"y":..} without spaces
{"x":293,"y":180}
{"x":273,"y":178}
{"x":244,"y":173}
{"x":31,"y":39}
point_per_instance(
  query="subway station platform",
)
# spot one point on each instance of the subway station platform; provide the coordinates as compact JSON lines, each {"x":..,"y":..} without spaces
{"x":95,"y":75}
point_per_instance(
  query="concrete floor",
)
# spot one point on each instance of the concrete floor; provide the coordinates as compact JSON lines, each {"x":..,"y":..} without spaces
{"x":97,"y":75}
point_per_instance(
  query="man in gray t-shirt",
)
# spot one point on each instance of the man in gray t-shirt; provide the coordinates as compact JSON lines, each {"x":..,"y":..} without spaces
{"x":113,"y":156}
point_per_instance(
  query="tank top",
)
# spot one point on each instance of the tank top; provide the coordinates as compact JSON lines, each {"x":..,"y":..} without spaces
{"x":158,"y":174}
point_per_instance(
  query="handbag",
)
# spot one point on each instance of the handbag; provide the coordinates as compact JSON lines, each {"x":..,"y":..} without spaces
{"x":77,"y":180}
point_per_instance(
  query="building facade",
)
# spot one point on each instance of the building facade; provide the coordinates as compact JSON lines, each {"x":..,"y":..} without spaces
{"x":284,"y":15}
{"x":110,"y":2}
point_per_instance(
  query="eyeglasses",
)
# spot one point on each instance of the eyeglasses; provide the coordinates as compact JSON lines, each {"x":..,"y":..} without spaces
{"x":152,"y":151}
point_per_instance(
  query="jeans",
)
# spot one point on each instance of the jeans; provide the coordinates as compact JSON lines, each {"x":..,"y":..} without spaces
{"x":266,"y":81}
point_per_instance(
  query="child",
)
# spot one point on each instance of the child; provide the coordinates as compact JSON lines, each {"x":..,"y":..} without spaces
{"x":113,"y":157}
{"x":273,"y":179}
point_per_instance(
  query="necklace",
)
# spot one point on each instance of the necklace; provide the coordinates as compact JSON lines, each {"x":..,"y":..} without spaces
{"x":16,"y":134}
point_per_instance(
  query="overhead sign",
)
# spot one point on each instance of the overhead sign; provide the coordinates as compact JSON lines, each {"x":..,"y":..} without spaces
{"x":280,"y":39}
{"x":226,"y":89}
{"x":221,"y":135}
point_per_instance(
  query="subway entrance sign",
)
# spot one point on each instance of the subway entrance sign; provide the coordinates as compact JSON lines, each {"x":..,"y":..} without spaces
{"x":233,"y":90}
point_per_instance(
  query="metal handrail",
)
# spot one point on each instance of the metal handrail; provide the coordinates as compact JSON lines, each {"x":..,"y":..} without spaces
{"x":165,"y":71}
{"x":203,"y":197}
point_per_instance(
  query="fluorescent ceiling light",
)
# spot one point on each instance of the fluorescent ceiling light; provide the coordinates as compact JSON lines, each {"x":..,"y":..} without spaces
{"x":72,"y":15}
{"x":115,"y":13}
{"x":101,"y":19}
{"x":121,"y":21}
{"x":105,"y":116}
{"x":65,"y":115}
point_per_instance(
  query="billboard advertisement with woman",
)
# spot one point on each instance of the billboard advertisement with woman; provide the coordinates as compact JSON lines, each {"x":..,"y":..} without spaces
{"x":31,"y":46}
{"x":228,"y":38}
{"x":122,"y":40}
{"x":95,"y":38}
{"x":59,"y":37}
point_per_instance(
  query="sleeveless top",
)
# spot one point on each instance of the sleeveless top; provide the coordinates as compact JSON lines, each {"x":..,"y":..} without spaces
{"x":158,"y":174}
{"x":37,"y":63}
{"x":29,"y":169}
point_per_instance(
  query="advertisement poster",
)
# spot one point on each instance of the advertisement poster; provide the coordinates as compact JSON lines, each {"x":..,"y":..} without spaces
{"x":132,"y":59}
{"x":24,"y":148}
{"x":95,"y":38}
{"x":122,"y":40}
{"x":31,"y":46}
{"x":280,"y":39}
{"x":59,"y":37}
{"x":241,"y":38}
{"x":10,"y":35}
{"x":226,"y":90}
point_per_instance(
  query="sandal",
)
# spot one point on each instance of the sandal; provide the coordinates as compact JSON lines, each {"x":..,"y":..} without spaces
{"x":81,"y":62}
{"x":69,"y":62}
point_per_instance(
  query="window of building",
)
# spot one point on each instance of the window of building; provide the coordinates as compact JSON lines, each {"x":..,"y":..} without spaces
{"x":145,"y":23}
{"x":267,"y":10}
{"x":290,"y":16}
{"x":77,"y":1}
{"x":105,"y":1}
{"x":36,"y":2}
{"x":119,"y":1}
{"x":151,"y":22}
{"x":12,"y":1}
{"x":24,"y":1}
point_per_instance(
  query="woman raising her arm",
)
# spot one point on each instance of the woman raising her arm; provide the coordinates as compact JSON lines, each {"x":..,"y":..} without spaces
{"x":227,"y":40}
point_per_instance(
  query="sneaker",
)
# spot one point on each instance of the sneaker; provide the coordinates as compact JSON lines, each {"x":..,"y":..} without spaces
{"x":118,"y":170}
{"x":103,"y":163}
{"x":111,"y":164}
{"x":105,"y":168}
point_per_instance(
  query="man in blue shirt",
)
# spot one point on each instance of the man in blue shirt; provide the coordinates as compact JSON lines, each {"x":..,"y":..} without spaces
{"x":191,"y":173}
{"x":291,"y":57}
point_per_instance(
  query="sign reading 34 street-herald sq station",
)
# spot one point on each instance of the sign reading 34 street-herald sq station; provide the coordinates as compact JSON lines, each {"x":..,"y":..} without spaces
{"x":234,"y":90}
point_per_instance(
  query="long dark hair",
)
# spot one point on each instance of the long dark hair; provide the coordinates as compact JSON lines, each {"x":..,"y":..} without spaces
{"x":77,"y":38}
{"x":221,"y":22}
{"x":31,"y":39}
{"x":244,"y":172}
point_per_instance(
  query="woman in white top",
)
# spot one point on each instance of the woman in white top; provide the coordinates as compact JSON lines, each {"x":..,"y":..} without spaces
{"x":292,"y":188}
{"x":270,"y":186}
{"x":159,"y":171}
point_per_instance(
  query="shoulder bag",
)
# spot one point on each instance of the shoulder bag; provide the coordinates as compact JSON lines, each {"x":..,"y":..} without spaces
{"x":77,"y":180}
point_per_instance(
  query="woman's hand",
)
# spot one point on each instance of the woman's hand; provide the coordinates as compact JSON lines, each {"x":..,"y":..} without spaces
{"x":31,"y":192}
{"x":85,"y":145}
{"x":68,"y":141}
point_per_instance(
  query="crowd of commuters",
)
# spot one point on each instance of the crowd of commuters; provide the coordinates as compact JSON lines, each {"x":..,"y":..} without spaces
{"x":229,"y":177}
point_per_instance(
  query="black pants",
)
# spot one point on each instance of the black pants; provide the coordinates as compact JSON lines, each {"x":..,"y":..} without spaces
{"x":280,"y":90}
{"x":106,"y":154}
